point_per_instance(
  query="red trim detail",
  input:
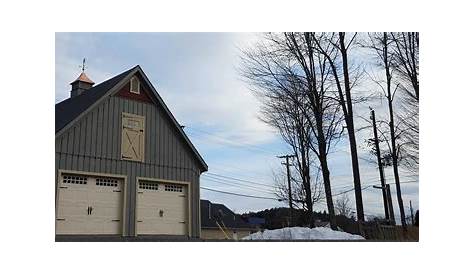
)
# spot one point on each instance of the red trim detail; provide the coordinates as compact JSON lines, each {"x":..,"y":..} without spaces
{"x":144,"y":95}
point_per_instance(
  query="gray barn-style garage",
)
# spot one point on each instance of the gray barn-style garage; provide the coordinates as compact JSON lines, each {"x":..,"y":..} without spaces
{"x":124,"y":166}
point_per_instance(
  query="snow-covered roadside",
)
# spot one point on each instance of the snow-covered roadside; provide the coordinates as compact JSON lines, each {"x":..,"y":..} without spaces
{"x":303,"y":233}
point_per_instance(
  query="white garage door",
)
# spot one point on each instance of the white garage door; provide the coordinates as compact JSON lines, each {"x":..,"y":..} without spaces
{"x":89,"y":205}
{"x":162,"y":208}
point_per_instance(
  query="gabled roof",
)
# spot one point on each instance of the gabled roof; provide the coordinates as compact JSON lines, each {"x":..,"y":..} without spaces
{"x":69,"y":110}
{"x":219,"y":212}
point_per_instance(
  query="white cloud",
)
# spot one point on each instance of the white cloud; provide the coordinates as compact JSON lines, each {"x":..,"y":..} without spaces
{"x":217,"y":99}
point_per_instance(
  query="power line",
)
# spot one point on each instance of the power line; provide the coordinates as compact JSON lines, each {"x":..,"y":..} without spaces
{"x":219,"y":177}
{"x":236,"y":185}
{"x":239,"y":186}
{"x":275,"y":199}
{"x":233,"y":171}
{"x":239,"y":194}
{"x":358,"y":156}
{"x":219,"y":180}
{"x":227,"y":178}
{"x":237,"y":179}
{"x":235,"y":143}
{"x":390,"y":177}
{"x":367,"y":186}
{"x":372,"y":180}
{"x":340,"y":193}
{"x":225,"y":143}
{"x":214,"y":177}
{"x":375,"y":182}
{"x":233,"y":181}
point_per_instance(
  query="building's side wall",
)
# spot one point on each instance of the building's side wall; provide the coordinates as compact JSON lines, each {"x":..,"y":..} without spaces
{"x":217,"y":234}
{"x":93,"y":145}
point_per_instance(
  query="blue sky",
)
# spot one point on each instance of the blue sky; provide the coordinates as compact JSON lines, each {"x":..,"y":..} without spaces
{"x":196,"y":74}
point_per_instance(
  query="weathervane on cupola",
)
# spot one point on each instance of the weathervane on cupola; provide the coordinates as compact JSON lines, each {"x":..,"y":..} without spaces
{"x":82,"y":83}
{"x":83,"y":64}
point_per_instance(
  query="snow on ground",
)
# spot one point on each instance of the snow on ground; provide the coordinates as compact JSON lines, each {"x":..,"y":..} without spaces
{"x":302,"y":233}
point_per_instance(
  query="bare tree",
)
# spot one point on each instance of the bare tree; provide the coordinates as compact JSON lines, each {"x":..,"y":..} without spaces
{"x":380,"y":44}
{"x":335,"y":48}
{"x":285,"y":115}
{"x":289,"y":76}
{"x":298,"y":192}
{"x":326,"y":118}
{"x":405,"y":53}
{"x":405,"y":49}
{"x":342,"y":205}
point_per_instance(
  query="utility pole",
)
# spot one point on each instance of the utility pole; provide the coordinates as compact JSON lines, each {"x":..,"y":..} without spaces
{"x":386,"y":189}
{"x":379,"y":161}
{"x":390,"y":205}
{"x":411,"y":211}
{"x":290,"y":198}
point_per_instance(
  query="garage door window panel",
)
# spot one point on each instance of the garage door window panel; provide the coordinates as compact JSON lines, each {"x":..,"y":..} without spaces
{"x":174,"y":188}
{"x":72,"y":179}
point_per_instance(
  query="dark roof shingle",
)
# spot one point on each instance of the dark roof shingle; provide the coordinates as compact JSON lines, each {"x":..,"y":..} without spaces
{"x":69,"y":109}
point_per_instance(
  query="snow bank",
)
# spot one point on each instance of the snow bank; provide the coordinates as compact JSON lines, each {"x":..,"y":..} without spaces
{"x":302,"y":233}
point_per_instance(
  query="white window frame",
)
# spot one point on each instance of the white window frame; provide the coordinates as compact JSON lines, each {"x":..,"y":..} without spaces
{"x":138,"y":85}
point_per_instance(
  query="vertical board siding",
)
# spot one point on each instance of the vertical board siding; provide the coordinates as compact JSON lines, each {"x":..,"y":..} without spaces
{"x":100,"y":127}
{"x":151,"y":141}
{"x":131,"y":217}
{"x":105,"y":127}
{"x":142,"y":110}
{"x":114,"y":133}
{"x":82,"y":145}
{"x":93,"y":141}
{"x":63,"y":146}
{"x":75,"y":141}
{"x":98,"y":140}
{"x":109,"y":120}
{"x":88,"y":140}
{"x":168,"y":157}
{"x":70,"y":147}
{"x":160,"y":146}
